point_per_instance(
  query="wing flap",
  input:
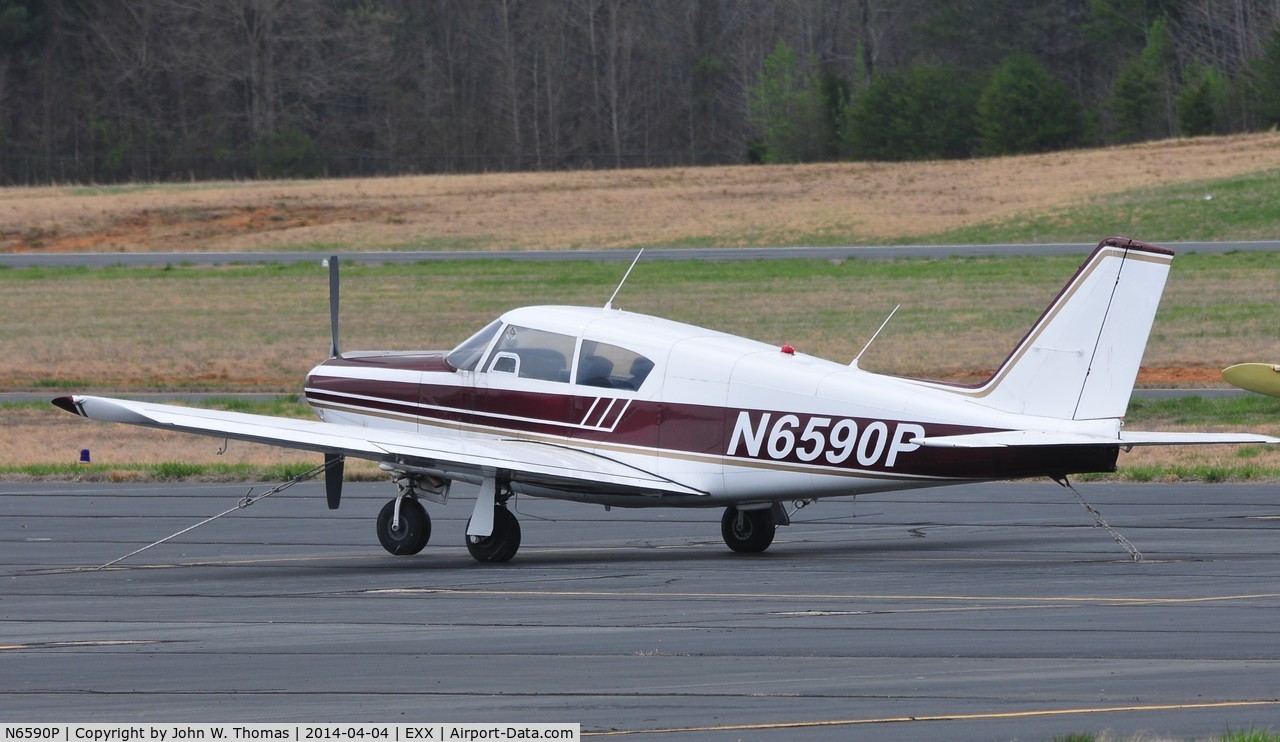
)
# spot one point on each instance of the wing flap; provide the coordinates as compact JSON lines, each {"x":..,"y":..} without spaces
{"x":1013,"y":439}
{"x":548,"y":464}
{"x":1137,"y":438}
{"x":1017,"y":438}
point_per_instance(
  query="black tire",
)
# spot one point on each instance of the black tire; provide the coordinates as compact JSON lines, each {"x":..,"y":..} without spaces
{"x":414,"y":530}
{"x":500,"y":545}
{"x":747,"y":531}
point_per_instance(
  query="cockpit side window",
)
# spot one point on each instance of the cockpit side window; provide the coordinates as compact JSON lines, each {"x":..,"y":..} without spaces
{"x":604,"y":365}
{"x":466,"y":356}
{"x":541,"y":354}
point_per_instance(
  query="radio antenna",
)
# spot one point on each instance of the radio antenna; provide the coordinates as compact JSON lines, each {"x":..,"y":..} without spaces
{"x":854,"y":364}
{"x":332,"y":264}
{"x":609,"y":304}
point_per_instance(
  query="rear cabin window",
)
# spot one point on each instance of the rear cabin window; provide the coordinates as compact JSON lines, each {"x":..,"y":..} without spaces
{"x":532,"y":354}
{"x":604,"y":365}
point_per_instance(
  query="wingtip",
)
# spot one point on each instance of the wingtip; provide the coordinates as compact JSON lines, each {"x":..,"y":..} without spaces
{"x":1132,"y":244}
{"x":68,"y":404}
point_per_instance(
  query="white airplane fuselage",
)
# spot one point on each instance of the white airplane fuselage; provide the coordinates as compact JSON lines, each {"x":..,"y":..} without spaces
{"x":737,"y":419}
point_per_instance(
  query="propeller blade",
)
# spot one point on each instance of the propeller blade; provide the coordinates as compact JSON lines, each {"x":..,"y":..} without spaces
{"x":334,"y":463}
{"x":333,"y":306}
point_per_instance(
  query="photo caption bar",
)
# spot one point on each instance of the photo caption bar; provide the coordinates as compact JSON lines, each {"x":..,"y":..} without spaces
{"x":171,"y":732}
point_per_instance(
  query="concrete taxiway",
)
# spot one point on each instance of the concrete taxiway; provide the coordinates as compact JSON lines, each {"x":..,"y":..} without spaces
{"x":977,"y":612}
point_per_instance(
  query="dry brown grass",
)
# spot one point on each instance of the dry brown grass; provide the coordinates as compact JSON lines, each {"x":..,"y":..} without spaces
{"x":748,"y":205}
{"x":43,"y":435}
{"x":38,"y":435}
{"x":1190,"y":458}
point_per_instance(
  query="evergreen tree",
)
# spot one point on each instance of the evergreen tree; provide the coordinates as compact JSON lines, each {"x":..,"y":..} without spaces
{"x":1263,"y":77}
{"x":21,"y":23}
{"x":837,"y":92}
{"x":1133,"y":101}
{"x":1202,"y":100}
{"x":1025,"y":109}
{"x":1142,"y":100}
{"x":927,"y":112}
{"x":785,"y":107}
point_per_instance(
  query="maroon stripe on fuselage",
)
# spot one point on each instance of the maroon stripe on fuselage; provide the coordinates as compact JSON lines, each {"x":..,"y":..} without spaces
{"x":394,"y":398}
{"x":702,"y":430}
{"x":1015,"y":462}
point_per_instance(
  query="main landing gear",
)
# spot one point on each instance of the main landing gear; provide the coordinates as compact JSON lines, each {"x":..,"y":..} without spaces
{"x":406,"y":532}
{"x":747,"y":531}
{"x":493,"y":533}
{"x":502,"y":543}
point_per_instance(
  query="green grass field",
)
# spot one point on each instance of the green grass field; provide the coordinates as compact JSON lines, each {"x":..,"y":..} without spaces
{"x":257,"y":327}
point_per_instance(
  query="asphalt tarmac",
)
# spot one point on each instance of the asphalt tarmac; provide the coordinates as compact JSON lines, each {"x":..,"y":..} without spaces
{"x":984,"y":612}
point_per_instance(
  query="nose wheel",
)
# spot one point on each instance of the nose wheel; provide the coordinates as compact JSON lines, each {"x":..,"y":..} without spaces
{"x":408,"y":534}
{"x":747,"y":531}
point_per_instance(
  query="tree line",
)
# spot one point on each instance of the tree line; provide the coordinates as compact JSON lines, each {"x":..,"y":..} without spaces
{"x":141,"y":90}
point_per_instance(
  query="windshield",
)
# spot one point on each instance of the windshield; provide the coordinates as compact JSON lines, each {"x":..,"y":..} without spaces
{"x":466,"y":356}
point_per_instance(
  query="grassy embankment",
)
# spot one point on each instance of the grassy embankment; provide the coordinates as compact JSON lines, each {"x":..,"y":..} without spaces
{"x":1022,"y":198}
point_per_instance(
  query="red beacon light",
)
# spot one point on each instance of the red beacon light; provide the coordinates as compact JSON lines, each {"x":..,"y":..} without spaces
{"x":789,"y":350}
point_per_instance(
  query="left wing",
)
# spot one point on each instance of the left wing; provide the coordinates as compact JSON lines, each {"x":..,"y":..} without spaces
{"x":1015,"y":438}
{"x":468,"y":459}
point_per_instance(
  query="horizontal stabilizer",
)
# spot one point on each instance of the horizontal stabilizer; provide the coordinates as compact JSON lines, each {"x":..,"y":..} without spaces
{"x":1017,"y":438}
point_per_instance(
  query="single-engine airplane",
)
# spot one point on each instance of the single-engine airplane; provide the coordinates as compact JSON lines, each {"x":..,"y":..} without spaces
{"x":604,"y":406}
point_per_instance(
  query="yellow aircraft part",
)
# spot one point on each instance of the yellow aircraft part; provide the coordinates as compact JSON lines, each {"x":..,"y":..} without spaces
{"x":1263,"y":378}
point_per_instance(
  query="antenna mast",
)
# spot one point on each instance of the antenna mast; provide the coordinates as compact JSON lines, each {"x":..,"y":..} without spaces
{"x":873,"y":337}
{"x":332,"y":262}
{"x":609,"y":304}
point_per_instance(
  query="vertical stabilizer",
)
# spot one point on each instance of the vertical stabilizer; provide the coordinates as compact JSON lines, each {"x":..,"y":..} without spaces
{"x":1081,"y":358}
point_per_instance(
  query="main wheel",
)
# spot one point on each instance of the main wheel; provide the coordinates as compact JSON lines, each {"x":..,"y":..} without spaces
{"x":500,"y":545}
{"x":747,"y":531}
{"x":410,"y":534}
